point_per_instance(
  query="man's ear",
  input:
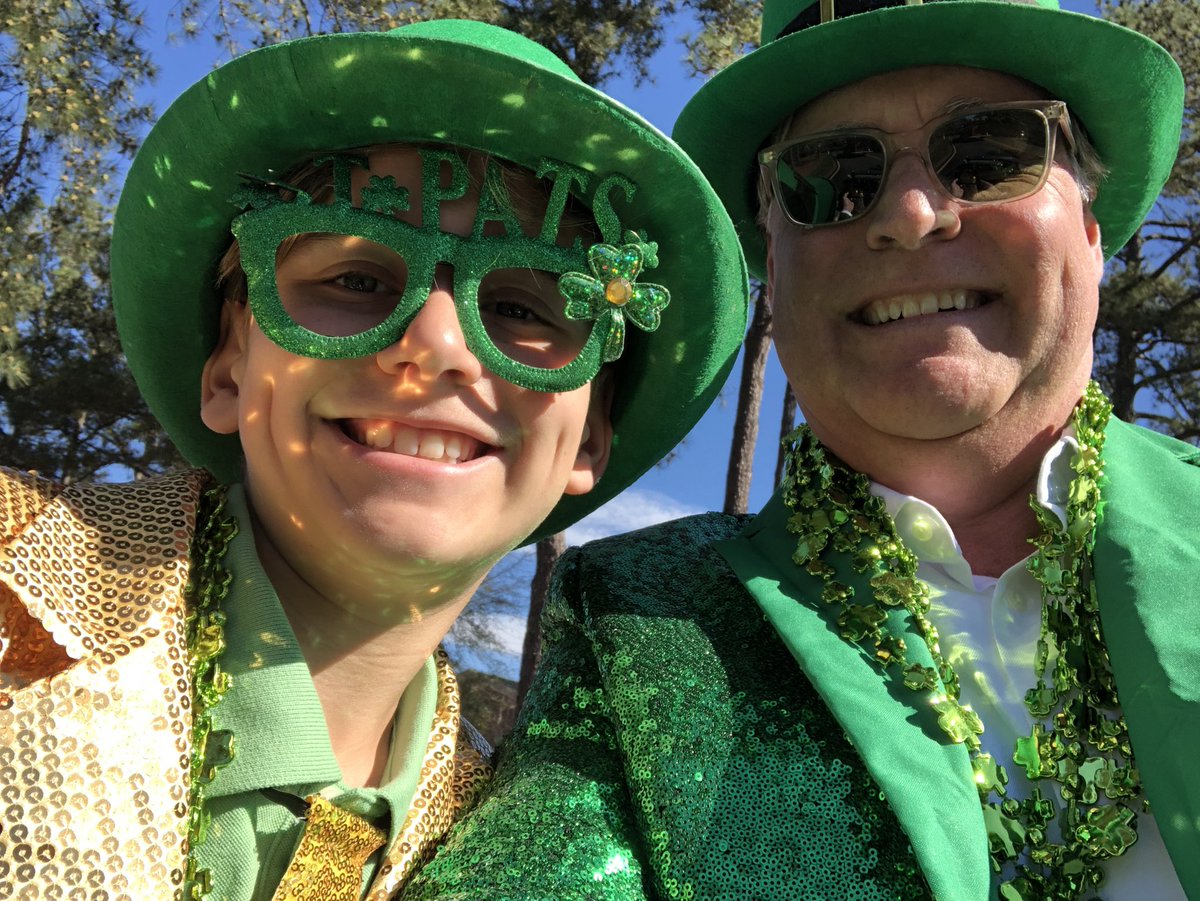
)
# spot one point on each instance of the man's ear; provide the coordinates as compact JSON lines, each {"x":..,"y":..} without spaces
{"x":222,"y":375}
{"x":1095,"y":239}
{"x":596,"y":441}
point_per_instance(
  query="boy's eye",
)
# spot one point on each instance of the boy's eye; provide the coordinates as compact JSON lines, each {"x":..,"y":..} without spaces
{"x":522,"y":312}
{"x":338,"y":285}
{"x":359,"y":281}
{"x":514,"y":309}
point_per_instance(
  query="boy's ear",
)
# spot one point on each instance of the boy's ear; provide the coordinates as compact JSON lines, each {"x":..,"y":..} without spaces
{"x":222,"y":375}
{"x":596,"y":441}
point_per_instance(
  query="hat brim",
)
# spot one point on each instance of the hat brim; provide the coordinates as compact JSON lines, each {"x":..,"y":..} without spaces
{"x":440,"y":82}
{"x":1125,"y":89}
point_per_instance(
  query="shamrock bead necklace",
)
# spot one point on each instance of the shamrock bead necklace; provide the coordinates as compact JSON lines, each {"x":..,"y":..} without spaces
{"x":1084,"y":746}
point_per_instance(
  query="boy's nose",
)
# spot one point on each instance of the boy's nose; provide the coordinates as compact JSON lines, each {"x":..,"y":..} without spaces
{"x":433,"y":344}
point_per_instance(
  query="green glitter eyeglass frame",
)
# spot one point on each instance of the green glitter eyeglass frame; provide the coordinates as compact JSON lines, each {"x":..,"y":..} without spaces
{"x":260,"y":232}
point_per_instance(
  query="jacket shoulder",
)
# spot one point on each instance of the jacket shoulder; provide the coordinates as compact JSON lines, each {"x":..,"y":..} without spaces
{"x":669,"y":566}
{"x":1138,"y":439}
{"x":23,"y":495}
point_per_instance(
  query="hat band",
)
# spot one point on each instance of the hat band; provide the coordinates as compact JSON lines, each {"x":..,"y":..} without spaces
{"x":821,"y":11}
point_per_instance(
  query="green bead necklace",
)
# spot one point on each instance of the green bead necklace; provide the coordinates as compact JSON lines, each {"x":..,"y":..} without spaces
{"x":1082,"y":745}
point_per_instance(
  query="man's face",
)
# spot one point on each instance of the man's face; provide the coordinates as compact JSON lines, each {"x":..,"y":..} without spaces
{"x":1026,"y":271}
{"x":412,"y":463}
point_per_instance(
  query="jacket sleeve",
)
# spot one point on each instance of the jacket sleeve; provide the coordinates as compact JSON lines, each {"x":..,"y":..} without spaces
{"x":556,"y":823}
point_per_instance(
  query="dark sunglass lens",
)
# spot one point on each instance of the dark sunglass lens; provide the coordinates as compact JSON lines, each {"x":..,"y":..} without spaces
{"x":991,"y":155}
{"x":830,"y":179}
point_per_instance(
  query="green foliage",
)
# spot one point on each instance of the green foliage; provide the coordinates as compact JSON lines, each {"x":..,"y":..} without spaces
{"x":69,"y":70}
{"x":597,"y":38}
{"x":726,"y":30}
{"x":1148,"y":335}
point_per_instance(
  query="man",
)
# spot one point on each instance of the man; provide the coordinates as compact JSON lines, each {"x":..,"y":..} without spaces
{"x":377,"y":284}
{"x":957,"y":653}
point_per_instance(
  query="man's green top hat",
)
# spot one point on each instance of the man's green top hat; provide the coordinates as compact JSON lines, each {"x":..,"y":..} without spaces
{"x":448,"y":82}
{"x":1126,"y":90}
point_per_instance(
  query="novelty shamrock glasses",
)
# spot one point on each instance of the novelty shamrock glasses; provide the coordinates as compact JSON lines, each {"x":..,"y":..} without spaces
{"x":335,"y":280}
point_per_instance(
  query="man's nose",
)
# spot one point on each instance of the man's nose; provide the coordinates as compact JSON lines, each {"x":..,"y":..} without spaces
{"x":912,"y":209}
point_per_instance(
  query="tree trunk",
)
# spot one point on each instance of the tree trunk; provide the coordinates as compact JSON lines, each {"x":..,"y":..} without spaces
{"x":745,"y":426}
{"x":786,"y":425}
{"x":548,"y":552}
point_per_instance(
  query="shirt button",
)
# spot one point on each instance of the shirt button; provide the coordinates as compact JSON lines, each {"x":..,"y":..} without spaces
{"x":922,"y":528}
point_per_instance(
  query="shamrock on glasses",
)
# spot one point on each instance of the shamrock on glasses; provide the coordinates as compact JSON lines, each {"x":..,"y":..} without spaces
{"x":612,"y":292}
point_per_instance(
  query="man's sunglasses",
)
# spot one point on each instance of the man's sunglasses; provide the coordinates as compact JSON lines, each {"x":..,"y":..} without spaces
{"x":988,"y":154}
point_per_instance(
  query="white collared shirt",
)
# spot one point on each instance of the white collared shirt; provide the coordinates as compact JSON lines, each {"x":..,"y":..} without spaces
{"x":988,"y":632}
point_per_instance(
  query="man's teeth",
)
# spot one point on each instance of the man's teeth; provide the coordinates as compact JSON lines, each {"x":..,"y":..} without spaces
{"x":908,"y":306}
{"x":429,"y":444}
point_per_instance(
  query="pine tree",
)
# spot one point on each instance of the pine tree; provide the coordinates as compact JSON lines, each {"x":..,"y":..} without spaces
{"x":1148,"y":337}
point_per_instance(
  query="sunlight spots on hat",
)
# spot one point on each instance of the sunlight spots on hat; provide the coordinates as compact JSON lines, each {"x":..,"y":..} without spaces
{"x":150,"y":202}
{"x":344,"y":60}
{"x":162,"y":166}
{"x":200,"y":185}
{"x":379,"y":122}
{"x":234,"y":100}
{"x":516,"y":101}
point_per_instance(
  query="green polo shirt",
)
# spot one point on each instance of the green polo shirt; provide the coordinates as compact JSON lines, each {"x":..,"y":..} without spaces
{"x":281,"y":740}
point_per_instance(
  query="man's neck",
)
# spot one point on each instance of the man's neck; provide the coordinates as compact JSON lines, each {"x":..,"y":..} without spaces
{"x":980,"y":483}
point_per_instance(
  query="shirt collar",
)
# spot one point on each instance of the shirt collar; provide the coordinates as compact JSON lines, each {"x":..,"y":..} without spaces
{"x":272,"y":696}
{"x":926,"y":533}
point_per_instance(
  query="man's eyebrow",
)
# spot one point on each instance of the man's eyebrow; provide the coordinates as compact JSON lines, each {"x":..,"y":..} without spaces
{"x":964,"y":103}
{"x":959,"y":104}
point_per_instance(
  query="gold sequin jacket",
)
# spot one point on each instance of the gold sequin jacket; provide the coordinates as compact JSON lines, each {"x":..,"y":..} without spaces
{"x":676,"y":745}
{"x":95,"y":697}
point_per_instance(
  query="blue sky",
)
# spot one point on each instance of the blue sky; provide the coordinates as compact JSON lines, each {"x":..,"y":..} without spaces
{"x":694,"y":480}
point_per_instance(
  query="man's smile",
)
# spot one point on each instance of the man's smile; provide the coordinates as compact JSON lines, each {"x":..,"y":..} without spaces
{"x":910,"y":306}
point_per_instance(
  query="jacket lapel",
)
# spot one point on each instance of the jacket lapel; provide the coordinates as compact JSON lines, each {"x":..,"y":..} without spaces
{"x":451,"y":776}
{"x":895,"y":735}
{"x":1146,"y":560}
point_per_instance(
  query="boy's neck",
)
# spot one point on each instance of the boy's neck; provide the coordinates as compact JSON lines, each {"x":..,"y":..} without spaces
{"x":360,"y":668}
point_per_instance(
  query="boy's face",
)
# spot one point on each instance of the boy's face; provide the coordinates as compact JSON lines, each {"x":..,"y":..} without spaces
{"x":412,"y":467}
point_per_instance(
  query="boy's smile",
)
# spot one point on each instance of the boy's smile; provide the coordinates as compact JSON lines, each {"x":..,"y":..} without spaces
{"x":439,"y":445}
{"x":413,"y":466}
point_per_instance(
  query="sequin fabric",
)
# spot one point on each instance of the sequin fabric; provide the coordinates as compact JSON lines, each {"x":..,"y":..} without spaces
{"x":455,"y":769}
{"x":95,"y":700}
{"x":671,"y":748}
{"x":328,"y":862}
{"x":94,"y":694}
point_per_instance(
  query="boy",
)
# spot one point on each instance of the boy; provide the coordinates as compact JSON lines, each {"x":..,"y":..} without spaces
{"x":230,"y":687}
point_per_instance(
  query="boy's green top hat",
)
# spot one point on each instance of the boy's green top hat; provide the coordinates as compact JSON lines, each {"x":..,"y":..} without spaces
{"x":1125,"y":89}
{"x":448,"y":82}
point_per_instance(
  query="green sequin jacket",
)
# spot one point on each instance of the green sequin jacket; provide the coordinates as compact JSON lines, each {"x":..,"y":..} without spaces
{"x":675,"y":746}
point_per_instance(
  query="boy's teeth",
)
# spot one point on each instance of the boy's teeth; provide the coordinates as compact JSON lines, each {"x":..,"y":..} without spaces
{"x":378,"y":436}
{"x":407,"y":442}
{"x":432,"y":447}
{"x":424,"y":443}
{"x":910,"y":306}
